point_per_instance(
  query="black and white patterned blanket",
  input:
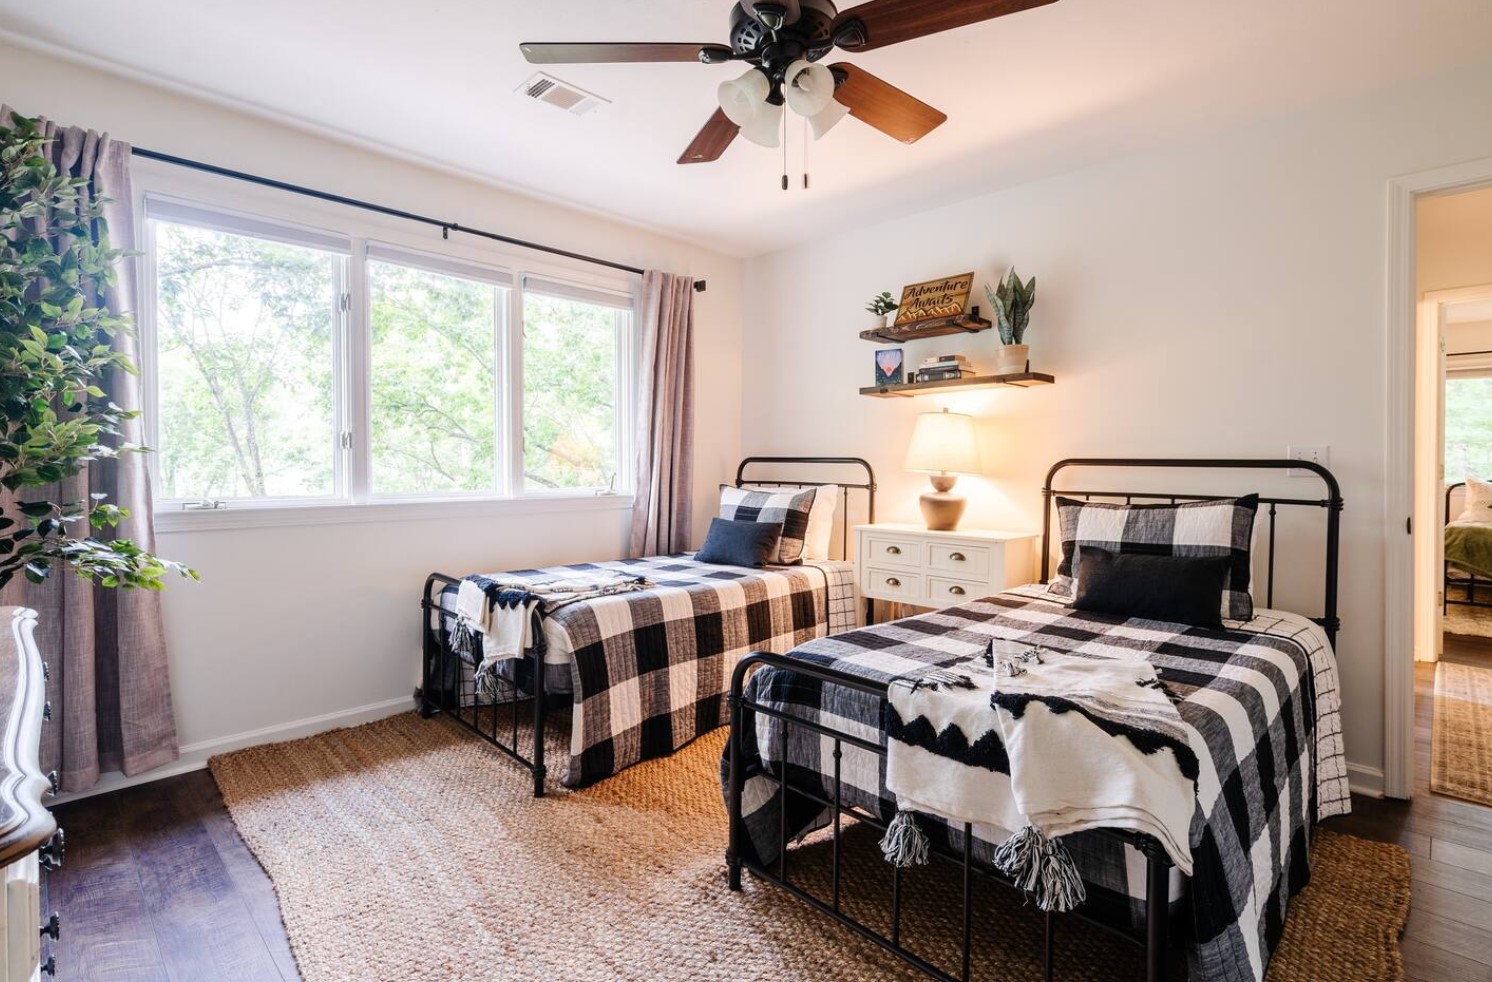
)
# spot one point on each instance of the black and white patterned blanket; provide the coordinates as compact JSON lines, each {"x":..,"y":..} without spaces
{"x":649,"y":670}
{"x":1259,"y":701}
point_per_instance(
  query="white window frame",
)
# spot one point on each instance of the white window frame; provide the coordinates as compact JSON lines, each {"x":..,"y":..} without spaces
{"x":354,"y":499}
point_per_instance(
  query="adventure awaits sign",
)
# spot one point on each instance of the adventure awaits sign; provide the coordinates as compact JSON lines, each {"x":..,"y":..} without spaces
{"x":936,"y":298}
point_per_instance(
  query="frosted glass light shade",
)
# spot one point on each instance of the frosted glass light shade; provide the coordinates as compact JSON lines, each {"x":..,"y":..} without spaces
{"x":809,"y":91}
{"x":944,"y":443}
{"x":766,"y":129}
{"x":741,"y":99}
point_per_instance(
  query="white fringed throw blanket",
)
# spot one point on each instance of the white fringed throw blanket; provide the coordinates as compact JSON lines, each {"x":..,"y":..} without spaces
{"x":502,"y":611}
{"x":1045,"y":743}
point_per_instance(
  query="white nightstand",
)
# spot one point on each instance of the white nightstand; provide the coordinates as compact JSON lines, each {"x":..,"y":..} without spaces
{"x":911,"y":564}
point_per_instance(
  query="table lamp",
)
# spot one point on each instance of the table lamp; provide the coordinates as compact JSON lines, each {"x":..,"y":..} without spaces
{"x":944,"y":446}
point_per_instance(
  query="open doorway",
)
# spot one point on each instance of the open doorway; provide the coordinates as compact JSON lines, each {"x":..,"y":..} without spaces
{"x":1453,"y":494}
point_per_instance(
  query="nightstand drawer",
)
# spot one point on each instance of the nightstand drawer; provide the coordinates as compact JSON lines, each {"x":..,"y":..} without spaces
{"x":890,"y":551}
{"x":943,"y":591}
{"x":891,"y":584}
{"x":962,"y":561}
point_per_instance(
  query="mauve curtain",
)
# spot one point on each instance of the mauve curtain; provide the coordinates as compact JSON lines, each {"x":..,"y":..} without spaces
{"x":106,"y":649}
{"x":665,"y":446}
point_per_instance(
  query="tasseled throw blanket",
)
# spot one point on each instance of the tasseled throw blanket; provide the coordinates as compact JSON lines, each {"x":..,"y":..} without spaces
{"x":1049,"y":744}
{"x":504,"y":612}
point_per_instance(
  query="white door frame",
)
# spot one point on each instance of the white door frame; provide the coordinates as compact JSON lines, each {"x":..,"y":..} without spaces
{"x":1402,"y":303}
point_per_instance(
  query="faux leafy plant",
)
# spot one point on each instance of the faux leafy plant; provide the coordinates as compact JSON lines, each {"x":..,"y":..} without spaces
{"x":55,"y":356}
{"x":882,"y":304}
{"x":1012,"y":301}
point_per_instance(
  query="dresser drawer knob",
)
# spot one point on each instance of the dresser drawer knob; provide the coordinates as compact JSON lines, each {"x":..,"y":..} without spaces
{"x":892,"y":581}
{"x":957,"y":591}
{"x":46,"y":710}
{"x":51,"y":852}
{"x":893,"y":550}
{"x":49,"y":967}
{"x":53,"y":927}
{"x":53,"y":780}
{"x":957,"y":557}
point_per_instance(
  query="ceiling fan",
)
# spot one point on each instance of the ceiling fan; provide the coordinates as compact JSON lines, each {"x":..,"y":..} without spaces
{"x":783,"y":41}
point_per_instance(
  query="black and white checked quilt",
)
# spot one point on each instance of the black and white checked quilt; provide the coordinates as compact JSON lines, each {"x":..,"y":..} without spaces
{"x":649,"y":670}
{"x":1260,"y":703}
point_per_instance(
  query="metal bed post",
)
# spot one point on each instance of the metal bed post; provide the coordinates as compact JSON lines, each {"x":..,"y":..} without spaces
{"x":1157,"y":910}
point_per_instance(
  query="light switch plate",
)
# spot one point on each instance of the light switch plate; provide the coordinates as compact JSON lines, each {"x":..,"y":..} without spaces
{"x":1319,"y":455}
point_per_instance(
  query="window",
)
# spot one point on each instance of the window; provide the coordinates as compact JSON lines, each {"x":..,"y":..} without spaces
{"x":245,"y":330}
{"x":301,"y":366}
{"x":435,"y":409}
{"x":1468,"y":420}
{"x":573,"y":344}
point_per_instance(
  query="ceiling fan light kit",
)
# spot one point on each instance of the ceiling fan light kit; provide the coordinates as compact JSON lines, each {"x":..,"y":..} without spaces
{"x":783,"y":41}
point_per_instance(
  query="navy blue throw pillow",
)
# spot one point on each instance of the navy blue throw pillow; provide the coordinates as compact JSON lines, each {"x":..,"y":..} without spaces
{"x":748,"y":544}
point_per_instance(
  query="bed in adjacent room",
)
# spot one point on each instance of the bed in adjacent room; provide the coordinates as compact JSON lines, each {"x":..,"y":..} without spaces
{"x":643,"y":651}
{"x":816,"y":733}
{"x":1468,"y":546}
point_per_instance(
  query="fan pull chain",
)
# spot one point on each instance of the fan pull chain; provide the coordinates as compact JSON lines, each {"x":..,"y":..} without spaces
{"x":806,"y":142}
{"x":784,"y":151}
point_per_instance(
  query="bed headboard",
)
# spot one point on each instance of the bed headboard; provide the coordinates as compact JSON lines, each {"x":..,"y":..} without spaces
{"x":1331,"y":504}
{"x":1449,"y":488}
{"x":785,"y":471}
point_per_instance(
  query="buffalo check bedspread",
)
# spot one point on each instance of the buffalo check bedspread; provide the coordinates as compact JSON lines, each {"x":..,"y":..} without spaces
{"x":1259,"y":701}
{"x":649,"y":670}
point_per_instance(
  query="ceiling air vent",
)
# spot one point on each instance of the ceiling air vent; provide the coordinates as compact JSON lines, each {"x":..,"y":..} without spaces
{"x":543,"y":87}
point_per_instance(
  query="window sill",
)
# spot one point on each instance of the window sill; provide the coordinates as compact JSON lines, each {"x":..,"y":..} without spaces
{"x":247,"y":516}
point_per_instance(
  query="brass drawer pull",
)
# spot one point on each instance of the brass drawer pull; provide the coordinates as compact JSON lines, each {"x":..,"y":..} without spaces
{"x":957,"y":591}
{"x":892,"y":581}
{"x":893,"y":550}
{"x":957,"y":557}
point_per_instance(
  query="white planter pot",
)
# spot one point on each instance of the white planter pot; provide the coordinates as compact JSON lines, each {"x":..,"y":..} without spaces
{"x":1012,"y":359}
{"x":877,"y":321}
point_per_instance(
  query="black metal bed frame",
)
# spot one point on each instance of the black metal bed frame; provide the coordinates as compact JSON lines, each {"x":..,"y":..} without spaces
{"x":446,"y":685}
{"x":1158,"y":930}
{"x":1470,"y":582}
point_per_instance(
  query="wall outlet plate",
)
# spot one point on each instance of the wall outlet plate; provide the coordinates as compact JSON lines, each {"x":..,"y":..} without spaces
{"x":1318,"y":455}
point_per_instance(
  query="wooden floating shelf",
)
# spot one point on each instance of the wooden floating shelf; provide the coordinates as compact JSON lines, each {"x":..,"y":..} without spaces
{"x":937,"y":327}
{"x":1023,"y":380}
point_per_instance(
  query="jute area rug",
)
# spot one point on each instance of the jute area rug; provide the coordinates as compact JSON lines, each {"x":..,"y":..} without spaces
{"x":1461,"y":732}
{"x":1469,"y":621}
{"x":407,"y":849}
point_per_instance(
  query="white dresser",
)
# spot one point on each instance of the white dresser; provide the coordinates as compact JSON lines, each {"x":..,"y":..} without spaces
{"x":30,"y":842}
{"x":913,"y":565}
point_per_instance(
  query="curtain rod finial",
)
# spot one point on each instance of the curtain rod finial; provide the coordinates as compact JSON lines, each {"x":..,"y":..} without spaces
{"x":699,"y":286}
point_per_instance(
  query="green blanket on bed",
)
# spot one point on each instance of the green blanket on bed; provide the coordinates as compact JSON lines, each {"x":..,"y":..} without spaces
{"x":1468,"y":545}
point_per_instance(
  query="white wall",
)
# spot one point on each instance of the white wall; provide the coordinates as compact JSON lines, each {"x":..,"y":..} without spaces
{"x":295,"y":623}
{"x":1222,"y":296}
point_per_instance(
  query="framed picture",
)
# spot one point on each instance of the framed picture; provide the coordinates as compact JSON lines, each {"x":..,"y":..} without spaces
{"x":946,"y":297}
{"x":890,"y":367}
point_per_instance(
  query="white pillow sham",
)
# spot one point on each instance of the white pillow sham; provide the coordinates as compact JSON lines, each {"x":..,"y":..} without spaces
{"x":1478,"y":504}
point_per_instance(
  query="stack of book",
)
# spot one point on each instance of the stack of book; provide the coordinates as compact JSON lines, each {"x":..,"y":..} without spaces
{"x":942,"y":367}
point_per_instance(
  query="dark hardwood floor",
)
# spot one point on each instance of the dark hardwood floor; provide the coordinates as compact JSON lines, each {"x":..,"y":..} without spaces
{"x":158,"y":884}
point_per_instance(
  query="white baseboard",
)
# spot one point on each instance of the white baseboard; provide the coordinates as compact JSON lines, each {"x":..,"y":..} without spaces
{"x":1365,"y":780}
{"x":194,"y":756}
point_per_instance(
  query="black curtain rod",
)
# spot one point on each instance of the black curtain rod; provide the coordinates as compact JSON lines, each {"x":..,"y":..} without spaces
{"x":446,"y":228}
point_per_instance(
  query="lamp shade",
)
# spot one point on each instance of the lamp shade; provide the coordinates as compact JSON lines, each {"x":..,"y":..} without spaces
{"x":944,"y":443}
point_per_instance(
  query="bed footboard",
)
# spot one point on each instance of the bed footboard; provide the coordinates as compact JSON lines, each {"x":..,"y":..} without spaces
{"x":448,"y":687}
{"x":1157,"y":937}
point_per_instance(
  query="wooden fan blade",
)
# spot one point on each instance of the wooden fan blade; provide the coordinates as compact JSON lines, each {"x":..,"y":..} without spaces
{"x":882,"y":22}
{"x":712,"y":140}
{"x":596,"y":53}
{"x":884,"y":106}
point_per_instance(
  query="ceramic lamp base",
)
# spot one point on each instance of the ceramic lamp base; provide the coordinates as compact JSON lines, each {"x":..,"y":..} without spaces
{"x":941,"y":508}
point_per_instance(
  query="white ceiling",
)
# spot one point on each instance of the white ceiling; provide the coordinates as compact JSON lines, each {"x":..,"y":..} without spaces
{"x":1038,"y":92}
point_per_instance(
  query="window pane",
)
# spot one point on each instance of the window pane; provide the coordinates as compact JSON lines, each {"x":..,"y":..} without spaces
{"x":569,"y":393}
{"x":1468,"y":428}
{"x":434,"y":380}
{"x":244,"y":356}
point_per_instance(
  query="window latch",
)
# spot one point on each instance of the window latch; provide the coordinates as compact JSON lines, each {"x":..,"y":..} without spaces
{"x":345,"y":439}
{"x":206,"y":504}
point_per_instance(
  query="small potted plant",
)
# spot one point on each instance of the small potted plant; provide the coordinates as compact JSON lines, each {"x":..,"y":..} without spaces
{"x":1012,"y":301}
{"x":879,"y":307}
